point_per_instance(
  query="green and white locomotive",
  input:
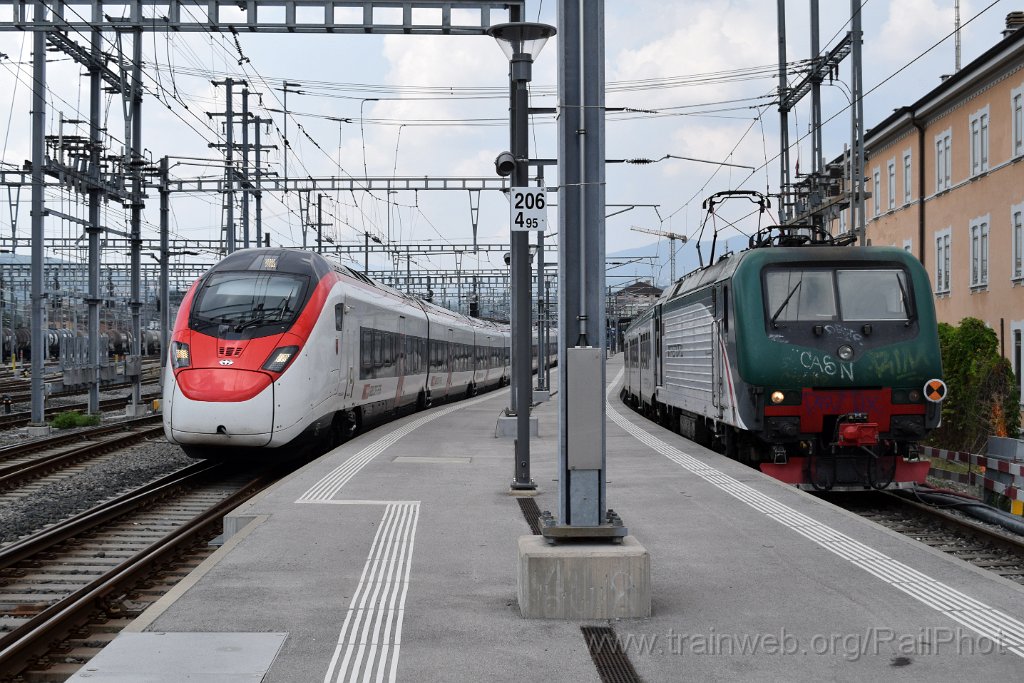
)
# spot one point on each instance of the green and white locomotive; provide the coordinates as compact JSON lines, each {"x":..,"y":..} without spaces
{"x":819,"y":364}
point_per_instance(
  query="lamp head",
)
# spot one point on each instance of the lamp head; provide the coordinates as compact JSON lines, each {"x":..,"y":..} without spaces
{"x":521,"y":37}
{"x":505,"y":164}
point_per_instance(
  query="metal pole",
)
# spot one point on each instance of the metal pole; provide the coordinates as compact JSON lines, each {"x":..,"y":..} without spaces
{"x":542,"y":337}
{"x":259,"y":194}
{"x":858,"y":106}
{"x":815,"y":101}
{"x":229,"y":122}
{"x":783,"y":116}
{"x":366,"y":252}
{"x":522,"y":384}
{"x":319,"y":224}
{"x":245,"y":167}
{"x":581,"y":305}
{"x":165,"y":295}
{"x":38,"y":190}
{"x":136,"y":214}
{"x":93,"y":229}
{"x":547,"y":327}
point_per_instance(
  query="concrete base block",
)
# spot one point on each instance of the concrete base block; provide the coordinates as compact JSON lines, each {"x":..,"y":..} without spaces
{"x":577,"y":581}
{"x":140,"y":410}
{"x":506,"y":428}
{"x":541,"y":396}
{"x":38,"y":430}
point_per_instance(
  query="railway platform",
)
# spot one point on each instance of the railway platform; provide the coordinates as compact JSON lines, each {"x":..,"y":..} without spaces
{"x":393,"y":557}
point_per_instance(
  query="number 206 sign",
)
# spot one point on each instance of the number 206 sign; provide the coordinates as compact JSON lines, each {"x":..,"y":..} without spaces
{"x":529,"y":209}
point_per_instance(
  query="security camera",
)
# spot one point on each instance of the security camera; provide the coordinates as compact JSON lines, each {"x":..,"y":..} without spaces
{"x":505,"y":164}
{"x":508,"y":257}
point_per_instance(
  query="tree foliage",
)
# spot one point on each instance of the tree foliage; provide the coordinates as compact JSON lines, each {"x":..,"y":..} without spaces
{"x":983,"y":397}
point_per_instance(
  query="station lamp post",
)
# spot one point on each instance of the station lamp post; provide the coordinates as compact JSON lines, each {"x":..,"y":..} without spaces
{"x":521,"y":42}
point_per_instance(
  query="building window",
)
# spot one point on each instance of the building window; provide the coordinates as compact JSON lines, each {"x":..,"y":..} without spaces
{"x":1017,"y":329}
{"x":1017,"y":240}
{"x":942,"y":263}
{"x":892,"y":184}
{"x":907,"y":182}
{"x":1017,"y":105}
{"x":877,"y":192}
{"x":979,"y":252}
{"x":943,"y":148}
{"x":979,"y":141}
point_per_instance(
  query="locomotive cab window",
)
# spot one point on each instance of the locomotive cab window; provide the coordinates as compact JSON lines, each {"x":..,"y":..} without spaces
{"x":873,"y":295}
{"x":798,"y":294}
{"x":822,"y":295}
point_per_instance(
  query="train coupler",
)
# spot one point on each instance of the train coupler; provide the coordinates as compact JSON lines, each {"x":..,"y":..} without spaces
{"x":855,"y":430}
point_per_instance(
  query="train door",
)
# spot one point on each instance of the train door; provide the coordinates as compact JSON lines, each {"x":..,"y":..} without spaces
{"x":400,"y":362}
{"x":341,"y":371}
{"x":657,"y":360}
{"x":448,"y":353}
{"x":717,"y":361}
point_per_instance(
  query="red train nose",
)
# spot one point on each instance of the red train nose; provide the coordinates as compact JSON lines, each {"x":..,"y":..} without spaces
{"x":221,"y":384}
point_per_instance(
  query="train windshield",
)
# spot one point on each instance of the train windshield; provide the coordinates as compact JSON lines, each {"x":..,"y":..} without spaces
{"x":873,"y":294}
{"x":823,"y":295}
{"x":249,"y":300}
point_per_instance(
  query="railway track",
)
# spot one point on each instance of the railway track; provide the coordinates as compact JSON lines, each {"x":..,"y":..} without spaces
{"x":21,"y":418}
{"x":76,"y":583}
{"x":980,"y":544}
{"x":57,"y":456}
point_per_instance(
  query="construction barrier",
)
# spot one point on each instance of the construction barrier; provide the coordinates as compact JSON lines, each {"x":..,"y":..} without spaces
{"x":992,"y":474}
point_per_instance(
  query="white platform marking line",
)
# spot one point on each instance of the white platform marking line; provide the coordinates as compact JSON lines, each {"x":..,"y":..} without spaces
{"x":999,"y":627}
{"x":331,"y":483}
{"x":373,"y":623}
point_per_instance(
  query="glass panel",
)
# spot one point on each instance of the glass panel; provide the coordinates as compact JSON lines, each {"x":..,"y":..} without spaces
{"x":241,"y":298}
{"x":872,"y":294}
{"x":800,"y":295}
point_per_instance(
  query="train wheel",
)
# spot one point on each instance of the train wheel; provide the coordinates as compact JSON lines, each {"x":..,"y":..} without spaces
{"x":335,"y":434}
{"x":353,"y":423}
{"x":198,"y":452}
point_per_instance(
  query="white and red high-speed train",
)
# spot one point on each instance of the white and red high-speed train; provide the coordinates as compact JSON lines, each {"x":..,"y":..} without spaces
{"x":271,"y":344}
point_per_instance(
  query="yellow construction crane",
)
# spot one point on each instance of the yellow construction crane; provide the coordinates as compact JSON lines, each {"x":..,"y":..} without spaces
{"x":672,"y":237}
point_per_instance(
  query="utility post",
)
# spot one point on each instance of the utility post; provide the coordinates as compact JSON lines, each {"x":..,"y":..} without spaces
{"x":542,"y":337}
{"x":288,"y":88}
{"x":229,"y":157}
{"x":521,"y":42}
{"x":595,"y":570}
{"x":93,"y":230}
{"x":245,"y":167}
{"x":165,"y":298}
{"x":320,"y":223}
{"x":38,"y":198}
{"x":137,"y":203}
{"x":581,"y":283}
{"x":259,"y":148}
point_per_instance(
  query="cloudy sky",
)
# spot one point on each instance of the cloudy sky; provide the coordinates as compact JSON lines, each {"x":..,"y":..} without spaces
{"x":698,"y":75}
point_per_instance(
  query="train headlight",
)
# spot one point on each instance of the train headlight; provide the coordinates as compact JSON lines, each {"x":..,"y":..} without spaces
{"x":778,"y":397}
{"x":181,"y":357}
{"x":845,"y":352}
{"x":280,"y":358}
{"x":914,"y":395}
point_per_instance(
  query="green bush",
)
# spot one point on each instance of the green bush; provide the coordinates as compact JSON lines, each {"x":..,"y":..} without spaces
{"x":73,"y":418}
{"x":983,"y":396}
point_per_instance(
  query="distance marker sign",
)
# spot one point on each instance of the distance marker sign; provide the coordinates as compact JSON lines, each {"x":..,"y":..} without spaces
{"x":529,"y":209}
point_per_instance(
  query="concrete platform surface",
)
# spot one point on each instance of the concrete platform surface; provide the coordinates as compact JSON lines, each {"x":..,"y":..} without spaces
{"x":394,"y":557}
